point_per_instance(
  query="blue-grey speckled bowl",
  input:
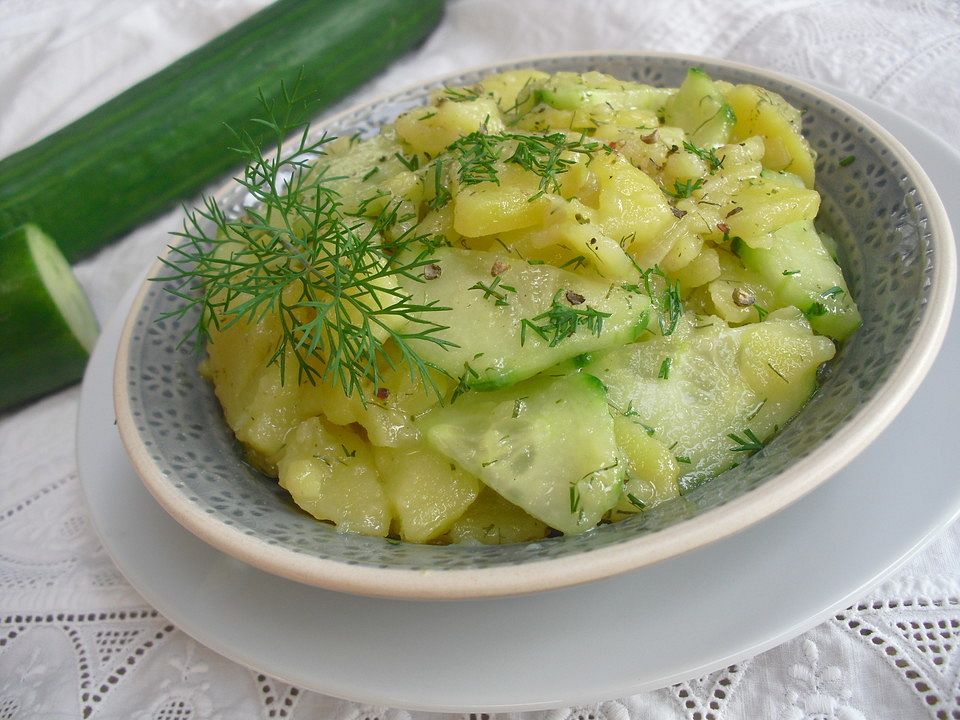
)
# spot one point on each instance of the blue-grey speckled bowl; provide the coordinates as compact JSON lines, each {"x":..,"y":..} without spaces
{"x":898,"y":253}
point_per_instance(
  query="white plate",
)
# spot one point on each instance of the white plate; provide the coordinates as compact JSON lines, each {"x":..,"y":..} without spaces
{"x":679,"y":619}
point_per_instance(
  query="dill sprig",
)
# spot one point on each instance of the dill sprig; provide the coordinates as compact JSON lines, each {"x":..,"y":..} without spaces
{"x":561,"y":321}
{"x":684,"y":189}
{"x":713,"y":162}
{"x":750,"y":443}
{"x":460,"y":94}
{"x":493,"y":290}
{"x":669,"y":302}
{"x":327,"y":275}
{"x":546,"y":156}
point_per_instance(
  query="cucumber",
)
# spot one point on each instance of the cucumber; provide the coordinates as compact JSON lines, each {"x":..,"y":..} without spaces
{"x":167,"y":137}
{"x":801,"y":272}
{"x":571,"y":91}
{"x":546,"y":445}
{"x":695,"y":389}
{"x":700,"y":110}
{"x":495,"y":347}
{"x":47,"y":328}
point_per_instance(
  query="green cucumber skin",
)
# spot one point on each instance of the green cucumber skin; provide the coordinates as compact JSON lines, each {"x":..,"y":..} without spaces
{"x":507,"y":378}
{"x":38,"y":352}
{"x":165,"y":138}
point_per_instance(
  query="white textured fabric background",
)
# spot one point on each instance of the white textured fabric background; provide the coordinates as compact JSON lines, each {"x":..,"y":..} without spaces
{"x":76,"y":641}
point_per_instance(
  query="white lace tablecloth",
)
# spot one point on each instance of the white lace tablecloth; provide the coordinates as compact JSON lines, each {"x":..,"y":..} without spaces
{"x":76,"y":641}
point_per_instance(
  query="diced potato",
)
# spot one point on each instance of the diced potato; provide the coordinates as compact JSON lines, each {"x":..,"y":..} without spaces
{"x":652,"y":470}
{"x":513,"y":90}
{"x":439,"y":222}
{"x":632,"y":209}
{"x":682,"y":167}
{"x":644,"y":147}
{"x":746,"y":284}
{"x":427,"y":491}
{"x":360,"y":168}
{"x":259,"y":407}
{"x":491,"y":520}
{"x":330,"y":472}
{"x":762,"y":112}
{"x":391,"y":409}
{"x":430,"y":130}
{"x":703,"y":269}
{"x":766,"y":205}
{"x":747,"y":153}
{"x":488,"y":208}
{"x":685,"y":247}
{"x":779,"y":359}
{"x":571,"y":227}
{"x":731,"y":299}
{"x":236,"y":358}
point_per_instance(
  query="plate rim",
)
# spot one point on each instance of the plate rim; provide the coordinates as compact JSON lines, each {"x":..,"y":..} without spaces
{"x":539,"y":575}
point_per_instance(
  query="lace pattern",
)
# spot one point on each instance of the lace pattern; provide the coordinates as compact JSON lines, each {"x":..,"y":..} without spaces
{"x":77,"y":642}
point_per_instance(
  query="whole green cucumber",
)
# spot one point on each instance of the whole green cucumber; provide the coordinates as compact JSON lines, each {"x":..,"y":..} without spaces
{"x":166,"y":137}
{"x":47,"y":327}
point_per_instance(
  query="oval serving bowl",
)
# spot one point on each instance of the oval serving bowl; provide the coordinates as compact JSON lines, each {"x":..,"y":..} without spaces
{"x":898,"y":256}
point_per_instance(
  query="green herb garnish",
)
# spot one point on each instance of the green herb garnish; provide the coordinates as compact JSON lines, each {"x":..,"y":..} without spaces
{"x":562,"y":320}
{"x":816,"y":310}
{"x":708,"y":156}
{"x":749,"y":444}
{"x":546,"y":156}
{"x":464,"y":94}
{"x":463,"y":382}
{"x":685,"y":189}
{"x":664,"y":373}
{"x":411,"y":163}
{"x":441,"y":192}
{"x":297,"y":254}
{"x":575,"y":498}
{"x":493,"y":290}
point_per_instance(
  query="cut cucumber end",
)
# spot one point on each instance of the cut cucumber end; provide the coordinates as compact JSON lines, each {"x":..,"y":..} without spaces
{"x":59,"y":281}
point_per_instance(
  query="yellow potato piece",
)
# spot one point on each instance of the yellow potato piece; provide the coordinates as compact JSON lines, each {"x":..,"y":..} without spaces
{"x":488,"y":208}
{"x":430,"y":130}
{"x":703,"y":269}
{"x":513,"y":90}
{"x":762,"y":112}
{"x":763,"y":205}
{"x":427,"y":491}
{"x":330,"y":472}
{"x":632,"y":209}
{"x":652,"y":470}
{"x":492,"y":520}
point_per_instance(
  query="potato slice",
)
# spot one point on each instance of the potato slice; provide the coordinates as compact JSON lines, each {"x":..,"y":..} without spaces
{"x":428,"y":492}
{"x":330,"y":472}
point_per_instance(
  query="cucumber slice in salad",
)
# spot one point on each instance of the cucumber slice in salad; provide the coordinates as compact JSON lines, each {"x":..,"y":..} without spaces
{"x":47,"y":327}
{"x":799,"y":270}
{"x":570,"y":91}
{"x":494,"y":318}
{"x":547,"y":445}
{"x":700,"y":110}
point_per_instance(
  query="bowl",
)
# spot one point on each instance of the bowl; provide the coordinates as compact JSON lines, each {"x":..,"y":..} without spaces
{"x":898,"y":256}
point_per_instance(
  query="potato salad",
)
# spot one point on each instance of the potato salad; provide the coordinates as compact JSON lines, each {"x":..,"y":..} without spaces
{"x":538,"y":304}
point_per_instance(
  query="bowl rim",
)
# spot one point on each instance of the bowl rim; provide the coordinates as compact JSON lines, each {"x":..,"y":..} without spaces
{"x":685,"y":536}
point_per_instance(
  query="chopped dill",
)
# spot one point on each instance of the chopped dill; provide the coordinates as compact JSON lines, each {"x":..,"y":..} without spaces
{"x":296,"y":253}
{"x":561,"y":321}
